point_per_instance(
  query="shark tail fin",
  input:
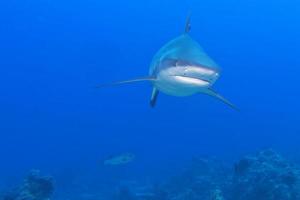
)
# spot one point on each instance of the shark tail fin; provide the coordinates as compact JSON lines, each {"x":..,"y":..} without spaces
{"x":211,"y":92}
{"x":188,"y":24}
{"x":147,"y":78}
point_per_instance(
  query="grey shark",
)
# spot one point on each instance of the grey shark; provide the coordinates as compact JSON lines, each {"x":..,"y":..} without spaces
{"x":181,"y":68}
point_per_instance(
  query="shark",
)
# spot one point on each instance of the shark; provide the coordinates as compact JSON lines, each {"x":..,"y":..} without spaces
{"x":181,"y":68}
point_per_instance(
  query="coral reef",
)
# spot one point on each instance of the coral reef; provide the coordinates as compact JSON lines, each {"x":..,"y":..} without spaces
{"x":34,"y":187}
{"x":200,"y":180}
{"x":262,"y":176}
{"x":203,"y":179}
{"x":265,"y":176}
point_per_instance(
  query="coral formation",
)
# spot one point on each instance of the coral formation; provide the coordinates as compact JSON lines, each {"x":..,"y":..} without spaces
{"x":263,"y":176}
{"x":199,"y":181}
{"x":35,"y":187}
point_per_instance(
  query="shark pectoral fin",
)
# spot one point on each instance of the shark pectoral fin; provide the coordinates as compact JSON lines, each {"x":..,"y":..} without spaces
{"x":218,"y":96}
{"x":148,"y":78}
{"x":154,"y":95}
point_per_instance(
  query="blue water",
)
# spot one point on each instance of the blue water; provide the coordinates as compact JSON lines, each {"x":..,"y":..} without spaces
{"x":53,"y":53}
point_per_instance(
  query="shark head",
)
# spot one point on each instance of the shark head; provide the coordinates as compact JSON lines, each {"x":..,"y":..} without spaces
{"x":183,"y":78}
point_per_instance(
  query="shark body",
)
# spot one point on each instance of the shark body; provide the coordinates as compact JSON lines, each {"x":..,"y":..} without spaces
{"x":182,"y":68}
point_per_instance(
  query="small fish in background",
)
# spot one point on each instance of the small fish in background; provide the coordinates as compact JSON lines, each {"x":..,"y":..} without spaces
{"x":120,"y":159}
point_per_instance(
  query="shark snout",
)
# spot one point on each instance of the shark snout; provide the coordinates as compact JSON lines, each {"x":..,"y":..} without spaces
{"x":203,"y":75}
{"x":191,"y":81}
{"x":185,"y":80}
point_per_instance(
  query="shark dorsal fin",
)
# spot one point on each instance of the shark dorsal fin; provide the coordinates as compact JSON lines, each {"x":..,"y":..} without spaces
{"x":188,"y":24}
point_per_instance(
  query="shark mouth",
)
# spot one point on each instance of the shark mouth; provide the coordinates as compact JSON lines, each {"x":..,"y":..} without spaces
{"x":191,"y":81}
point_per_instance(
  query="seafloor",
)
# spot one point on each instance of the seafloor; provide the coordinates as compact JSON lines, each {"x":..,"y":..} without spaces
{"x":265,"y":175}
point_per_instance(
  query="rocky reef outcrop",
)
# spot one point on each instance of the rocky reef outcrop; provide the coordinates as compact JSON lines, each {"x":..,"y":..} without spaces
{"x":263,"y":176}
{"x":34,"y":187}
{"x":204,"y":179}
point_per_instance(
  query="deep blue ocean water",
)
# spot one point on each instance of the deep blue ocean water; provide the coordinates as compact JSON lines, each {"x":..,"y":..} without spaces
{"x":53,"y":53}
